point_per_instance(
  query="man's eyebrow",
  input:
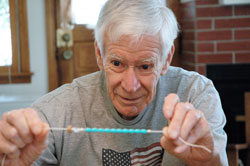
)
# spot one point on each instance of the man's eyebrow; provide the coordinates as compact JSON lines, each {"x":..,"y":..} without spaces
{"x":115,"y":57}
{"x":151,"y":59}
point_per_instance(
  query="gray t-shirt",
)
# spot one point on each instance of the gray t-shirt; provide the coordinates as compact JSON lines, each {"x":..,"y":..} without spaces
{"x":85,"y":103}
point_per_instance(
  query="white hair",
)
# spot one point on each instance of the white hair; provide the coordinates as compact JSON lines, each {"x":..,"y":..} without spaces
{"x":136,"y":18}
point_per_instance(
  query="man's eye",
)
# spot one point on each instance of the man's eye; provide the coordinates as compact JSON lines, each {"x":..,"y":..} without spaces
{"x":116,"y":63}
{"x":145,"y":67}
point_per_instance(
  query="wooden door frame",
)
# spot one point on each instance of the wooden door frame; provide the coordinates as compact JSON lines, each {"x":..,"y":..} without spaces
{"x":53,"y":20}
{"x":50,"y":8}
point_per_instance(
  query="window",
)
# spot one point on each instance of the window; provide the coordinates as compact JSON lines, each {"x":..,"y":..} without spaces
{"x":14,"y":57}
{"x":5,"y":33}
{"x":86,"y":12}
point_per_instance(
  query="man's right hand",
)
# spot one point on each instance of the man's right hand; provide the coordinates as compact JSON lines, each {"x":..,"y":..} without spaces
{"x":22,"y":137}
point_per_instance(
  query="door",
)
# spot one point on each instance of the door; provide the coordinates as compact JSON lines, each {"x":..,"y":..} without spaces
{"x":77,"y":57}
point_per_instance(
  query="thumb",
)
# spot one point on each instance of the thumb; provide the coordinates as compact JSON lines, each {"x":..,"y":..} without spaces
{"x":164,"y":139}
{"x":166,"y":142}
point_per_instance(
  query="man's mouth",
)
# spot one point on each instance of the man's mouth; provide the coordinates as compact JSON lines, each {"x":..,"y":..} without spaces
{"x":129,"y":100}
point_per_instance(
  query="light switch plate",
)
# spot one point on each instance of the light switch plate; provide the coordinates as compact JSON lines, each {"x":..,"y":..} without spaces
{"x":59,"y":38}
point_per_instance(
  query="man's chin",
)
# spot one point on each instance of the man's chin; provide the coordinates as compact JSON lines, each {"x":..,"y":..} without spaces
{"x":129,"y":113}
{"x":128,"y":117}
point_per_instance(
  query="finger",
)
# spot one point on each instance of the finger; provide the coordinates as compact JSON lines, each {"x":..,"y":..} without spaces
{"x":191,"y":119}
{"x":166,"y":142}
{"x":169,"y":141}
{"x":34,"y":122}
{"x":41,"y":138}
{"x":8,"y":148}
{"x":169,"y":104}
{"x":200,"y":134}
{"x":34,"y":150}
{"x":165,"y":131}
{"x":4,"y":116}
{"x":180,"y":112}
{"x":17,"y":120}
{"x":11,"y":134}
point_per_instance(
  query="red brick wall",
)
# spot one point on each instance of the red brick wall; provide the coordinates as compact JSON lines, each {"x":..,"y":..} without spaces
{"x":214,"y":34}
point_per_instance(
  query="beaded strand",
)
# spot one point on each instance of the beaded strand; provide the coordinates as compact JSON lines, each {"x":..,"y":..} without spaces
{"x":71,"y":129}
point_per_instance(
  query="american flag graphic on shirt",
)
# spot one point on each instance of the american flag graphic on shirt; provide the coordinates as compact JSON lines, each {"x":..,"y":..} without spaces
{"x":148,"y":156}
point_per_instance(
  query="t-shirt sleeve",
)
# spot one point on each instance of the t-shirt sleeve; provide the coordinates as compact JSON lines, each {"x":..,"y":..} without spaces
{"x":208,"y":101}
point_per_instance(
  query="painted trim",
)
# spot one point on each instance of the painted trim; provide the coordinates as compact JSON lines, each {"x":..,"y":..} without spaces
{"x":234,"y":2}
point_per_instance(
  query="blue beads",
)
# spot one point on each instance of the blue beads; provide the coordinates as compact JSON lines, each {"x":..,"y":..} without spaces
{"x":107,"y":130}
{"x":87,"y":129}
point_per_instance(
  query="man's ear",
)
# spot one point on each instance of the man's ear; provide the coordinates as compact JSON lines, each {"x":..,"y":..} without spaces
{"x":98,"y":56}
{"x":168,"y":60}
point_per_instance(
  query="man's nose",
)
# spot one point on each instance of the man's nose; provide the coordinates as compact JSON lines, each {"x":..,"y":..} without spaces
{"x":130,"y":81}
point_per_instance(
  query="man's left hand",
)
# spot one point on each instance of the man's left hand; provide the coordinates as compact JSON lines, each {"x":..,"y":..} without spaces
{"x":191,"y":125}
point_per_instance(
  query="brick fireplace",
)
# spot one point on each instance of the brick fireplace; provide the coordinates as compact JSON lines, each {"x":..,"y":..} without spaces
{"x":214,"y":34}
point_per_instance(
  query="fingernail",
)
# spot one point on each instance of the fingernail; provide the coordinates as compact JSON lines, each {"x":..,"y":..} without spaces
{"x":15,"y":152}
{"x":168,"y":114}
{"x":165,"y":131}
{"x":178,"y":149}
{"x":188,"y":107}
{"x":20,"y":142}
{"x":173,"y":134}
{"x":13,"y":149}
{"x":37,"y":130}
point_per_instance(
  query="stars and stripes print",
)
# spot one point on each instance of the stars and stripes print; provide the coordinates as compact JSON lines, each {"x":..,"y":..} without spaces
{"x":147,"y":156}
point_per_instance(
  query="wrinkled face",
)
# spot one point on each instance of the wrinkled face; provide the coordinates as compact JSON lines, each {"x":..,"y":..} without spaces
{"x":132,"y":72}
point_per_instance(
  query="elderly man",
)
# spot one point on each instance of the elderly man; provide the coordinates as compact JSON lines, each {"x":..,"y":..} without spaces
{"x":136,"y":88}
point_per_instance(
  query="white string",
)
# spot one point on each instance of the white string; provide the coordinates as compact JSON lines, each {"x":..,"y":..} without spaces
{"x":194,"y":145}
{"x":3,"y":160}
{"x":77,"y":130}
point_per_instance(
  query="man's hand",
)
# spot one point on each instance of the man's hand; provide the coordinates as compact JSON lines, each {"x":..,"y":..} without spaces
{"x":191,"y":125}
{"x":22,"y":137}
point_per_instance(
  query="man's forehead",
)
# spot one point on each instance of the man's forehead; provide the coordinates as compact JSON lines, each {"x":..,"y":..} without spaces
{"x":134,"y":42}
